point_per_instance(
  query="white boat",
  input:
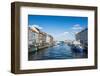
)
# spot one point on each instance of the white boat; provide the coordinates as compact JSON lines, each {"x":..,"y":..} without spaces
{"x":77,"y":47}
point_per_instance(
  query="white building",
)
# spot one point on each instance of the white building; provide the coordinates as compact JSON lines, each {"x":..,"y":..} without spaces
{"x":32,"y":36}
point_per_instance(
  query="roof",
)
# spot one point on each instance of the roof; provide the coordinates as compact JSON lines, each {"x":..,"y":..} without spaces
{"x":33,"y":29}
{"x":83,"y":30}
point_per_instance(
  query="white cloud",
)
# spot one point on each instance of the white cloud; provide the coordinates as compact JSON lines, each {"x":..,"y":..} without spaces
{"x":62,"y":34}
{"x":37,"y":26}
{"x":65,"y":33}
{"x":77,"y":27}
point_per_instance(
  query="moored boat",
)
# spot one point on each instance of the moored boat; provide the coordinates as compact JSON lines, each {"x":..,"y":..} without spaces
{"x":77,"y":47}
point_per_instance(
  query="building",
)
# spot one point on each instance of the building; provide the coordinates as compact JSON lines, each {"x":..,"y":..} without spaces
{"x":49,"y":40}
{"x":33,"y":36}
{"x":42,"y":40}
{"x":38,"y":39}
{"x":82,"y":37}
{"x":44,"y":35}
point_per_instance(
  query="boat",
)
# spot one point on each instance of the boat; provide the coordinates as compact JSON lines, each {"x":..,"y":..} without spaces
{"x":77,"y":47}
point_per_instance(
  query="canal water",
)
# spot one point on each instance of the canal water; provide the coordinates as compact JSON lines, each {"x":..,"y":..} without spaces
{"x":56,"y":52}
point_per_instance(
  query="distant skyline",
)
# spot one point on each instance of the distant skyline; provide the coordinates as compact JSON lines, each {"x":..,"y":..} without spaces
{"x":60,"y":27}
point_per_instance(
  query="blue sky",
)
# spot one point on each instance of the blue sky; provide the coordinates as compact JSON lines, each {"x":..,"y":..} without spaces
{"x":60,"y":27}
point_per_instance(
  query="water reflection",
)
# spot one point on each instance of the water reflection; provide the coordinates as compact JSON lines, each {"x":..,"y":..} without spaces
{"x":56,"y":52}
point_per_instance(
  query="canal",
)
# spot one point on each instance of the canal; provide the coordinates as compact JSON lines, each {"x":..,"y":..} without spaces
{"x":62,"y":51}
